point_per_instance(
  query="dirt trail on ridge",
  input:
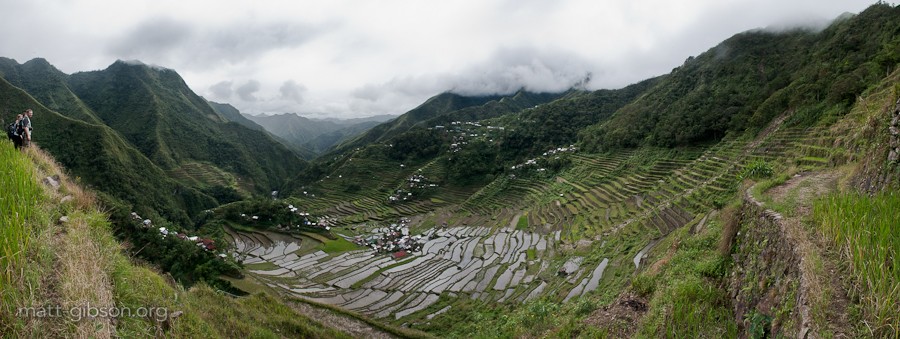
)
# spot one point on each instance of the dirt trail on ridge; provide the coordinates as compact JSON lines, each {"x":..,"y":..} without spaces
{"x":826,"y":298}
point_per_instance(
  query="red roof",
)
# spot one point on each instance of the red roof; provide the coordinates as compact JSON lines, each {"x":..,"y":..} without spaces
{"x":399,"y":254}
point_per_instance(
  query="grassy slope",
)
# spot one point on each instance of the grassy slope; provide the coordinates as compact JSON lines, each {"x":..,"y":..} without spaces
{"x":78,"y":264}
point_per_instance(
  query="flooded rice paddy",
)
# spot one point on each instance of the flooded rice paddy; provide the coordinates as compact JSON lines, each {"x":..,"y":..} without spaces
{"x":456,"y":262}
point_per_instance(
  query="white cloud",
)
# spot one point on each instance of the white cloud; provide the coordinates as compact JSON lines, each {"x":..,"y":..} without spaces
{"x":292,"y":91}
{"x":355,"y":58}
{"x":247,"y":91}
{"x":222,"y":90}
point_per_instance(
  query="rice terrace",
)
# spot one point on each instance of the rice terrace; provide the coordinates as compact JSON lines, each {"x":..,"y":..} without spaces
{"x":450,"y":170}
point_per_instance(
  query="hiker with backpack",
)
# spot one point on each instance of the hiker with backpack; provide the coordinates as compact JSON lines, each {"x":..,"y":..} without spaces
{"x":25,"y":128}
{"x":12,"y":131}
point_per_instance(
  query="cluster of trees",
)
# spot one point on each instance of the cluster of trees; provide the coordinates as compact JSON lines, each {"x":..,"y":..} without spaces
{"x":184,"y":260}
{"x":270,"y":213}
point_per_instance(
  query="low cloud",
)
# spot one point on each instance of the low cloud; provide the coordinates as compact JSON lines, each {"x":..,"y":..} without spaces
{"x":222,"y":90}
{"x":292,"y":91}
{"x":504,"y":72}
{"x":153,"y":37}
{"x":247,"y":91}
{"x":197,"y":46}
{"x":510,"y":70}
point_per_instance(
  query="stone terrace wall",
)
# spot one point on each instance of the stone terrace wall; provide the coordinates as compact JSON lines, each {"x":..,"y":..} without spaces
{"x":765,"y":284}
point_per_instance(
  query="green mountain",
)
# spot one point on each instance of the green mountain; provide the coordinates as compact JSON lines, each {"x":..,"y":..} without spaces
{"x":156,"y":111}
{"x":230,"y":113}
{"x":445,"y":108}
{"x":102,"y":159}
{"x":158,"y":137}
{"x":325,"y":141}
{"x":524,"y":124}
{"x":48,"y":85}
{"x":752,"y":77}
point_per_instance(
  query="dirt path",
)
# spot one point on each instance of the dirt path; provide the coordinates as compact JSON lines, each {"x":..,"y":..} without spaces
{"x":620,"y":319}
{"x":78,"y":281}
{"x":823,"y":297}
{"x":347,"y":324}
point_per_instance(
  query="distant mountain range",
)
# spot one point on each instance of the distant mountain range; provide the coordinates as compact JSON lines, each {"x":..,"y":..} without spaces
{"x":317,"y":135}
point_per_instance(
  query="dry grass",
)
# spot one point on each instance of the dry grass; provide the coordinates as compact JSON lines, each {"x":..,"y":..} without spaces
{"x":83,"y":280}
{"x":731,"y":216}
{"x":80,"y":198}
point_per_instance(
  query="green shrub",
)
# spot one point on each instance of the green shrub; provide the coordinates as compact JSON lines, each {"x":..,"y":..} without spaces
{"x":644,"y":285}
{"x":758,"y":170}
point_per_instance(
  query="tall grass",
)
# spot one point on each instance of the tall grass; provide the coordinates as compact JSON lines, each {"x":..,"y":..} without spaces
{"x":865,"y":229}
{"x":686,"y":297}
{"x":19,"y":194}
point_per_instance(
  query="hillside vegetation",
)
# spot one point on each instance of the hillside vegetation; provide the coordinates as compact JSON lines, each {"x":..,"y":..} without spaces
{"x":61,"y":267}
{"x":754,"y":76}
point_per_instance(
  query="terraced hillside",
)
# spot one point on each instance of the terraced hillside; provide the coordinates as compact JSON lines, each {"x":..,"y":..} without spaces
{"x":578,"y":234}
{"x":507,"y":242}
{"x":525,"y":235}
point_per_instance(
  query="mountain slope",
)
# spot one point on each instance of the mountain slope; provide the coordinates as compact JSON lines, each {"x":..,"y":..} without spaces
{"x":48,"y":85}
{"x":103,"y":160}
{"x":431,"y":108}
{"x":747,"y":80}
{"x":325,"y":141}
{"x":230,"y":113}
{"x":292,"y":127}
{"x":168,"y":151}
{"x":156,"y":111}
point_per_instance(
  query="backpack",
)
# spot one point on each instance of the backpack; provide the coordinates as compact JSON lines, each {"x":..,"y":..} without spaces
{"x":12,"y":129}
{"x":23,"y":124}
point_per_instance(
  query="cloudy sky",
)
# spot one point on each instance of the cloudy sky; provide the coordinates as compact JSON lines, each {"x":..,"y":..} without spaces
{"x":360,"y":58}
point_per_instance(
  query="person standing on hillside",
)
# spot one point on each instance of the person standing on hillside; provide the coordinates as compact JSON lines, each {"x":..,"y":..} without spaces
{"x":13,"y":132}
{"x":25,"y":125}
